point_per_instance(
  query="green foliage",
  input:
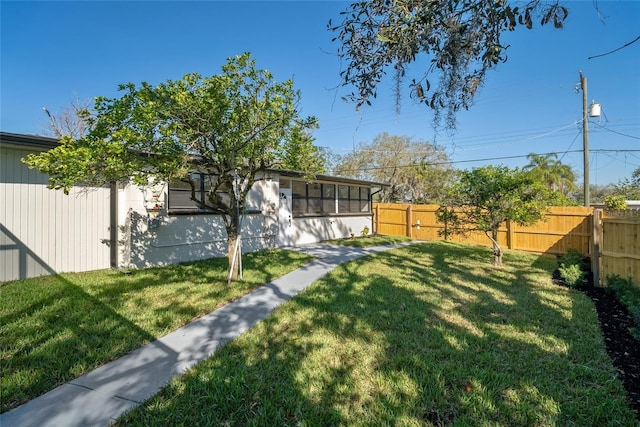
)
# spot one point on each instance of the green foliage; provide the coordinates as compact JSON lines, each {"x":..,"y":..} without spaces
{"x":551,"y":172}
{"x":628,"y":294}
{"x":614,"y":202}
{"x":413,"y":168}
{"x":572,"y":274}
{"x":484,"y":198}
{"x":449,"y":218}
{"x":300,"y":154}
{"x":460,"y":38}
{"x":573,"y":268}
{"x":365,"y":231}
{"x":629,"y":189}
{"x":228,"y":126}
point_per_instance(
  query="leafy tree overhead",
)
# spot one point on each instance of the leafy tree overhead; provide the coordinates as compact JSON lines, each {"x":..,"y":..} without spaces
{"x":628,"y":189}
{"x":300,"y":154}
{"x":485,"y":198}
{"x":555,"y":175}
{"x":229,"y":127}
{"x":414,"y":169}
{"x":461,"y":39}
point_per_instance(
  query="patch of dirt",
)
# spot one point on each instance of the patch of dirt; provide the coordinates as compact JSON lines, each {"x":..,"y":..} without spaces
{"x":622,"y":347}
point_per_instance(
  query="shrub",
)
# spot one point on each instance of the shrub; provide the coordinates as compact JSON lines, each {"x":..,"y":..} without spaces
{"x":618,"y":203}
{"x":573,"y":268}
{"x":628,"y":295}
{"x":572,"y":274}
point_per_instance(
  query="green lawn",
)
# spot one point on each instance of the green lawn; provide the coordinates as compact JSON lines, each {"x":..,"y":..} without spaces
{"x":56,"y":328}
{"x":429,"y":334}
{"x":367,"y":242}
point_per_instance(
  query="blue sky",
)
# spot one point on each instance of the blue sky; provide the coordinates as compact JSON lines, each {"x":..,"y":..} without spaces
{"x":53,"y":52}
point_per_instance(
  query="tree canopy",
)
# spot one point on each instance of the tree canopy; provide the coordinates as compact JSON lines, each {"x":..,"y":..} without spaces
{"x":628,"y":189}
{"x":415,"y":169}
{"x":461,"y":38}
{"x":228,"y":127}
{"x":483,"y":198}
{"x":552,"y":172}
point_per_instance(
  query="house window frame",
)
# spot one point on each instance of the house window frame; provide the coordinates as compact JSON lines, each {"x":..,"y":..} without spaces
{"x":323,"y":199}
{"x":354,"y":199}
{"x":192,"y":208}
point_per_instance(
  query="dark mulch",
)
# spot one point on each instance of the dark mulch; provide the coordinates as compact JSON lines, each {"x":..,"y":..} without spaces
{"x":622,"y":347}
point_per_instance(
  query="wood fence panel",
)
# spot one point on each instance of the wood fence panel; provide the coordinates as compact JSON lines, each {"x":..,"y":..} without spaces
{"x":620,"y":245}
{"x":425,"y":226}
{"x":391,"y":219}
{"x":564,"y":228}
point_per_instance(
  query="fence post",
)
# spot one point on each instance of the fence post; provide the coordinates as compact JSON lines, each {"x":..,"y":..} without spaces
{"x":377,"y":222}
{"x":510,"y":234}
{"x":595,"y":247}
{"x":409,"y":221}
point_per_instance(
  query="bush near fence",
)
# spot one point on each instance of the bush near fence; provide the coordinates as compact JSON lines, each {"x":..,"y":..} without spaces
{"x":611,"y":239}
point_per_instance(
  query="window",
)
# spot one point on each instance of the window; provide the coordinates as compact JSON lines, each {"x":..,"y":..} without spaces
{"x":180,"y":200}
{"x":314,"y":198}
{"x":353,"y":199}
{"x":320,"y":198}
{"x":299,"y":196}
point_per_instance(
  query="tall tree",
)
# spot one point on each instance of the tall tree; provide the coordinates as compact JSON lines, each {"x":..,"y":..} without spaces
{"x":629,"y":189}
{"x":461,"y":38}
{"x":555,"y":175}
{"x":414,"y":169}
{"x":485,"y":198}
{"x":300,"y":154}
{"x":73,"y":120}
{"x":228,"y":126}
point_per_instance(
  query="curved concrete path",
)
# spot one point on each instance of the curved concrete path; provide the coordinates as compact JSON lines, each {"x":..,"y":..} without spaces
{"x":101,"y":396}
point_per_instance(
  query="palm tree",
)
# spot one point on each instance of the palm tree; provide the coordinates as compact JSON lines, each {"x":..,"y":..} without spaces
{"x":549,"y":170}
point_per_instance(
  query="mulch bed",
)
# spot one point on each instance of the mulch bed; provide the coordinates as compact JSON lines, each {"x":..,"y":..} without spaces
{"x":622,"y":347}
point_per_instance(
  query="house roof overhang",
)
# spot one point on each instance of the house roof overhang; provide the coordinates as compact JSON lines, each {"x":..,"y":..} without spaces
{"x":8,"y":139}
{"x":328,"y":178}
{"x":39,"y":142}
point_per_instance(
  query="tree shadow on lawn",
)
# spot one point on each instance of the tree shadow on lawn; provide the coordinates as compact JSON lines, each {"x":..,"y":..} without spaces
{"x":59,"y":336}
{"x":438,"y":343}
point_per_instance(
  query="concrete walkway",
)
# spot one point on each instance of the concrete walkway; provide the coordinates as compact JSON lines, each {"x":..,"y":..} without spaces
{"x":101,"y":396}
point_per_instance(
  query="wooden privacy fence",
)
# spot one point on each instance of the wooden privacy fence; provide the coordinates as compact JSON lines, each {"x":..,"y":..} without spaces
{"x":619,"y":244}
{"x":615,"y":249}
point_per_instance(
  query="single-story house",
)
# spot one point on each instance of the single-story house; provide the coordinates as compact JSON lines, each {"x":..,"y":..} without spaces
{"x":44,"y":231}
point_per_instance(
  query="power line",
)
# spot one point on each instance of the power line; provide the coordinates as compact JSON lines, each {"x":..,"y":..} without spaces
{"x":616,"y":132}
{"x":450,"y":162}
{"x":615,"y":50}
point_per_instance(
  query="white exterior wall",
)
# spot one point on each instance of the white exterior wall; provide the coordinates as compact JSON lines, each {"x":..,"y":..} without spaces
{"x":312,"y":230}
{"x":44,"y":231}
{"x":181,"y":238}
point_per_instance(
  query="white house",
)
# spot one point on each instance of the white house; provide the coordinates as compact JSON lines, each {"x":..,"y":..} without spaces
{"x":44,"y":231}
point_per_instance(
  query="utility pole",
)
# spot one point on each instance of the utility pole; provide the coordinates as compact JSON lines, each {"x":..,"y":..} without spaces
{"x":585,"y":138}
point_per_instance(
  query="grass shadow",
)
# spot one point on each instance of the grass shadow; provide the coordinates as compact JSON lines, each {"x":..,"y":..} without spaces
{"x":56,"y":328}
{"x":428,"y":334}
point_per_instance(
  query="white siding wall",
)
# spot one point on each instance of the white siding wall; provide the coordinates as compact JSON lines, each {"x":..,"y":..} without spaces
{"x":44,"y":231}
{"x":311,"y":230}
{"x":181,"y":238}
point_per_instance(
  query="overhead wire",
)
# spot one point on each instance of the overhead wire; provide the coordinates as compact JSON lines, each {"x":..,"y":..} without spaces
{"x":449,"y":162}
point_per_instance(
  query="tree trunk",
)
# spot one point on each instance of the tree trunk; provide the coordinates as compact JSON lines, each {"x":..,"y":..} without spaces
{"x":233,"y":247}
{"x":497,"y":250}
{"x":497,"y":254}
{"x":233,"y":254}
